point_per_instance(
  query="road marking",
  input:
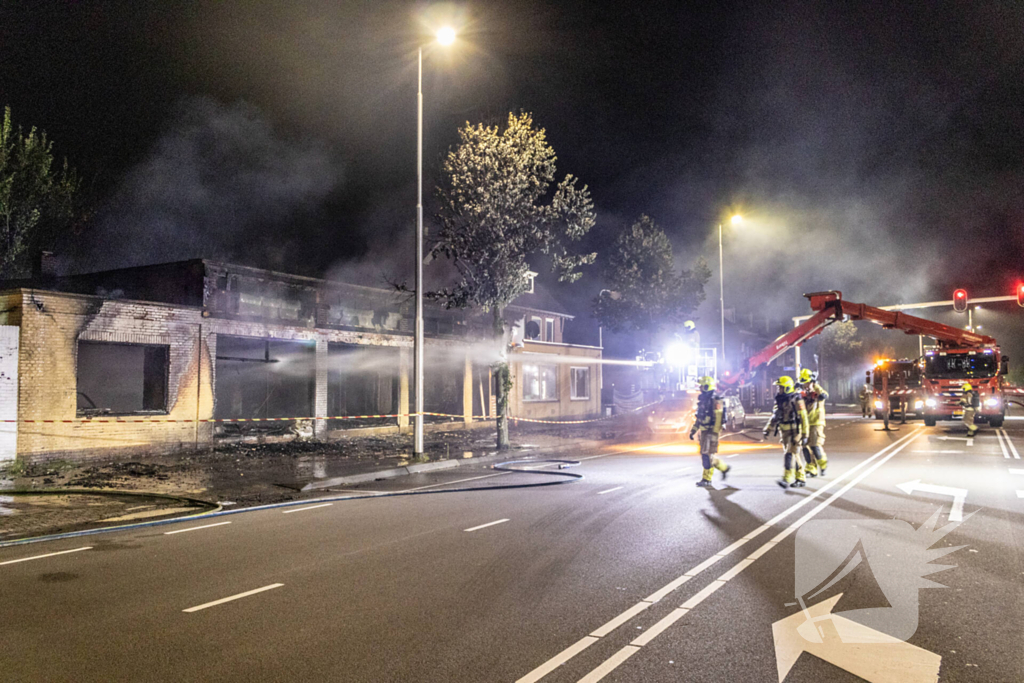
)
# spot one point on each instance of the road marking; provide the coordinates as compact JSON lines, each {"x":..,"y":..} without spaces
{"x":1020,"y":494}
{"x":855,"y":648}
{"x":610,"y":664}
{"x":601,"y":493}
{"x":956,"y":514}
{"x":899,"y":444}
{"x":558,"y":660}
{"x":920,"y":451}
{"x":484,"y":526}
{"x":1002,"y":446}
{"x":195,"y":528}
{"x":621,"y":619}
{"x":1009,"y":443}
{"x":1016,"y":470}
{"x":311,"y":507}
{"x":233,"y":597}
{"x":39,"y":557}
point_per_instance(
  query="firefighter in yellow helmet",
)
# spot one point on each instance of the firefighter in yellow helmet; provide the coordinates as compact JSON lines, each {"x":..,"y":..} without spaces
{"x":814,"y":442}
{"x":970,"y":401}
{"x":789,"y":417}
{"x":708,"y":420}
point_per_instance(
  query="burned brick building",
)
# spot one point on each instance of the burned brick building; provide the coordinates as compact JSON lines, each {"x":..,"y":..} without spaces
{"x":157,"y":358}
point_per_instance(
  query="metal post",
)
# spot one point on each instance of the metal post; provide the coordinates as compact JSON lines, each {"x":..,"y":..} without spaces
{"x":970,"y":318}
{"x":920,"y":345}
{"x":721,"y":290}
{"x":418,"y":333}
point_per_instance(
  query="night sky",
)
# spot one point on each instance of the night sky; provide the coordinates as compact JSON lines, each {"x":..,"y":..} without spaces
{"x":875,"y":147}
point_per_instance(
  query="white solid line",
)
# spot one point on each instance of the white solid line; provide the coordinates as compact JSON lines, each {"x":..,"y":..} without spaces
{"x":559,"y":659}
{"x":703,"y":594}
{"x":601,"y":493}
{"x":311,"y":507}
{"x":484,"y":526}
{"x":39,"y":557}
{"x":194,"y":528}
{"x":610,"y":664}
{"x":233,"y":597}
{"x":668,"y":588}
{"x":621,"y":619}
{"x":653,"y":631}
{"x":1009,"y":443}
{"x":1002,"y":446}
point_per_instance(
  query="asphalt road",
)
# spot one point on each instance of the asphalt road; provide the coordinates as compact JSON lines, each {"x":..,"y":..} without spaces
{"x":631,"y":574}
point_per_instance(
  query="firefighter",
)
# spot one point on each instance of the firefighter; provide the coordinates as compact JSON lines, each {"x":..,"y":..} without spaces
{"x":866,"y":392}
{"x":814,"y":399}
{"x":709,"y":422}
{"x":789,"y":416}
{"x":970,"y":402}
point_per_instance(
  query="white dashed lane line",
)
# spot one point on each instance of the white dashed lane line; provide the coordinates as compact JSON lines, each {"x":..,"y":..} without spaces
{"x":194,"y":528}
{"x":484,"y":526}
{"x":233,"y":597}
{"x":601,"y":493}
{"x":39,"y":557}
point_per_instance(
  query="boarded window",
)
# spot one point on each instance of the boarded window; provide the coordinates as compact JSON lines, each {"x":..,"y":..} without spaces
{"x":362,"y":381}
{"x":540,"y":382}
{"x":121,"y":378}
{"x":579,"y":379}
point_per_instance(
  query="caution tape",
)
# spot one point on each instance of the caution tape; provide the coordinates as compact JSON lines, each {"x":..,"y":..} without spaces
{"x":231,"y":420}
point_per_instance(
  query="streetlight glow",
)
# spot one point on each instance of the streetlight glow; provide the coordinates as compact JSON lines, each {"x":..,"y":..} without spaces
{"x":446,"y":35}
{"x":737,"y":219}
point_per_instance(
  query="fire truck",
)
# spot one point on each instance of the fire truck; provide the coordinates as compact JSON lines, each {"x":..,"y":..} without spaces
{"x":961,"y":356}
{"x":898,"y":385}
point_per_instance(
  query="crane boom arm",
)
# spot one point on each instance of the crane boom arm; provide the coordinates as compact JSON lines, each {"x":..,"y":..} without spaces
{"x":829,"y":307}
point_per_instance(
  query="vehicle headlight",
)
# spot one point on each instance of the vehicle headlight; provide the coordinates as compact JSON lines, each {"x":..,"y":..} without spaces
{"x":878,"y":404}
{"x":918,"y":405}
{"x":992,"y":402}
{"x":931,"y":403}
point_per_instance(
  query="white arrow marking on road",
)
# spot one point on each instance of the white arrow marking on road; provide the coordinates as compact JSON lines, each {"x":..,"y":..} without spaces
{"x":959,"y":496}
{"x":853,"y":647}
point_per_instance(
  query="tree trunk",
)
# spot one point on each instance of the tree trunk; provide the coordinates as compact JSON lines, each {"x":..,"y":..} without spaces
{"x":502,"y":380}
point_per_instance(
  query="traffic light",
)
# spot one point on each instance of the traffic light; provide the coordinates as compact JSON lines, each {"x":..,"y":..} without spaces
{"x":960,"y":300}
{"x":1020,"y":294}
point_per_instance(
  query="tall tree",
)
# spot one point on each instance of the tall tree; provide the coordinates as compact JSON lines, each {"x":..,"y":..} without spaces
{"x":647,"y":292}
{"x":499,"y":208}
{"x":37,"y":201}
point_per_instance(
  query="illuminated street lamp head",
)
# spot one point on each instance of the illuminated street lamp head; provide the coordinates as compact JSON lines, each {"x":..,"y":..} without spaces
{"x":737,"y":219}
{"x":446,"y":35}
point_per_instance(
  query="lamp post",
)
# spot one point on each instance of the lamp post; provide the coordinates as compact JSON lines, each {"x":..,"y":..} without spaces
{"x":445,"y":36}
{"x":736,"y":220}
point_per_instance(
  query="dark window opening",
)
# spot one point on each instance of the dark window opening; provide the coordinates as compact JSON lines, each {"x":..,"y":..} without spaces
{"x":362,"y":381}
{"x":121,"y":378}
{"x":264,"y":378}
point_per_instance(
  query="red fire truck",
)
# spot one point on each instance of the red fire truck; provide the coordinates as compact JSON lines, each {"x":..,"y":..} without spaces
{"x":962,"y":356}
{"x":897,"y":384}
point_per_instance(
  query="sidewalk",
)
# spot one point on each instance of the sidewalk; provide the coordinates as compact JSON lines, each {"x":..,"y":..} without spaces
{"x":61,"y":496}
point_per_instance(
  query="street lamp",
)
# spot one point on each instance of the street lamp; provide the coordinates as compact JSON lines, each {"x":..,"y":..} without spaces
{"x":444,"y":36}
{"x":735,"y":220}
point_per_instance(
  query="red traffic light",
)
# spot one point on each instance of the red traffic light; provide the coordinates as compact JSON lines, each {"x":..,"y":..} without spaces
{"x":1020,"y":294}
{"x":960,"y":300}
